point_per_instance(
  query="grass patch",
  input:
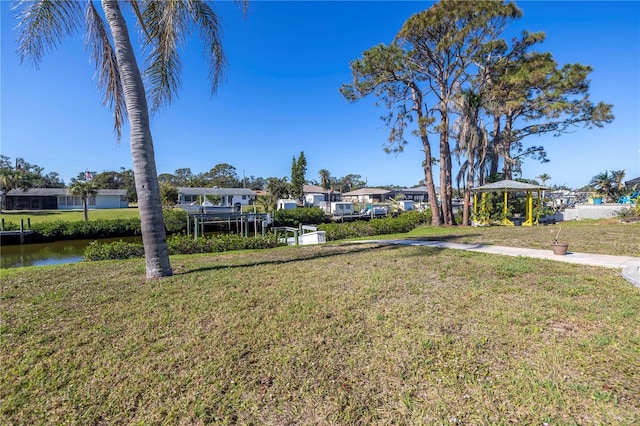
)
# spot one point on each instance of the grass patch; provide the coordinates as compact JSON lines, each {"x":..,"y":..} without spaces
{"x":333,"y":334}
{"x":42,"y":216}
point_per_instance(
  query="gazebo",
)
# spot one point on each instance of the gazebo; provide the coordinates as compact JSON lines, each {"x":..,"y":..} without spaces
{"x":505,"y":186}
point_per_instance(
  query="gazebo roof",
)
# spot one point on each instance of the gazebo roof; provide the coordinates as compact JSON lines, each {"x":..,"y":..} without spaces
{"x":507,"y":185}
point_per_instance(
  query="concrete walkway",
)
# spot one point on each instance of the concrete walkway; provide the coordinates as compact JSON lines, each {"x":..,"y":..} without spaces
{"x":630,"y":265}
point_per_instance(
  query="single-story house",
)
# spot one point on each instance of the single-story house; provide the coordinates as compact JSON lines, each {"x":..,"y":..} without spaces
{"x":225,"y":197}
{"x":417,"y":194}
{"x":59,"y":199}
{"x":366,"y":195}
{"x":314,"y":195}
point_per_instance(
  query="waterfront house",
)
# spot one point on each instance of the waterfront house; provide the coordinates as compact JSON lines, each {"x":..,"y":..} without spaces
{"x":59,"y":199}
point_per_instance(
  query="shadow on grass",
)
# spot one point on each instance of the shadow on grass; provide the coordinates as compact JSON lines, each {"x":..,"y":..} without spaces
{"x":338,"y":250}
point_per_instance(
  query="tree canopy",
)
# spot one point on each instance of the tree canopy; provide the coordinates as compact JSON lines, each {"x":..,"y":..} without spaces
{"x":448,"y":72}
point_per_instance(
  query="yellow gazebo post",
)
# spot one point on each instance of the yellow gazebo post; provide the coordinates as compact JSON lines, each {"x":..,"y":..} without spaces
{"x":529,"y":210}
{"x":530,"y":221}
{"x":505,"y":218}
{"x":475,"y":207}
{"x":481,"y":219}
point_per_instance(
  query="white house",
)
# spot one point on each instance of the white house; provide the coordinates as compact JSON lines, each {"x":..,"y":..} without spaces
{"x":366,"y":195}
{"x":223,"y":197}
{"x":314,"y":195}
{"x":59,"y":199}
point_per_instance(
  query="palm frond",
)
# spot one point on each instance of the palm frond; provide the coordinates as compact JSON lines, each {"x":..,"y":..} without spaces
{"x":210,"y":33}
{"x":44,"y":24}
{"x":167,"y":24}
{"x":104,"y":58}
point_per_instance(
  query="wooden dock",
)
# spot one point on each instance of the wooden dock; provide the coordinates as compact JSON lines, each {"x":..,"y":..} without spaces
{"x":10,"y":234}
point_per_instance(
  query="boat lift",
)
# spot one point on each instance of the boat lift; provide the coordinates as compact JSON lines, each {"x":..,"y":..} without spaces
{"x":197,"y":221}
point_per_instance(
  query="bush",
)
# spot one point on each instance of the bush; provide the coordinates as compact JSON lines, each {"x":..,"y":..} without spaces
{"x":112,"y":251}
{"x":390,"y":225}
{"x":101,"y":228}
{"x":294,"y":217}
{"x":180,"y":244}
{"x":175,"y":221}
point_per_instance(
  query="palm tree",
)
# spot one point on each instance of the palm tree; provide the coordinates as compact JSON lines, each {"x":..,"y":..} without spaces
{"x":602,"y":183}
{"x":544,"y":177}
{"x":267,"y":202}
{"x":164,"y":26}
{"x":84,"y":190}
{"x":325,"y":182}
{"x":472,"y":140}
{"x":617,"y":177}
{"x":325,"y":178}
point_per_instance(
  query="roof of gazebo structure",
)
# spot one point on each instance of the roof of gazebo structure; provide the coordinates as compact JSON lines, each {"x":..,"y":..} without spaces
{"x":507,"y":185}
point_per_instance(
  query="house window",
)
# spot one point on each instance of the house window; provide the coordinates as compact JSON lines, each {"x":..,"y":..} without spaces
{"x":244,"y":197}
{"x":91,"y":200}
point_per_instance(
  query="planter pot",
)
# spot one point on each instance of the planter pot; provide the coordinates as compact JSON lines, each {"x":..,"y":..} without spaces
{"x":559,"y":248}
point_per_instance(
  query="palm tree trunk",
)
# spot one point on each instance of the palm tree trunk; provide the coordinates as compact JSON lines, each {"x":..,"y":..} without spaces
{"x":84,"y":209}
{"x":144,"y":166}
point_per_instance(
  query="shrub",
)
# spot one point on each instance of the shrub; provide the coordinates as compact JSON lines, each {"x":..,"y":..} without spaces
{"x":10,"y":226}
{"x":180,"y":244}
{"x":294,"y":217}
{"x":101,"y":228}
{"x":175,"y":221}
{"x":390,"y":225}
{"x":112,"y":251}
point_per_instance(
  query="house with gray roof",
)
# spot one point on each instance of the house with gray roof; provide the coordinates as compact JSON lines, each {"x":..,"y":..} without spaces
{"x":419,"y":194}
{"x":59,"y":199}
{"x":315,"y":195}
{"x":367,"y":195}
{"x":223,"y":197}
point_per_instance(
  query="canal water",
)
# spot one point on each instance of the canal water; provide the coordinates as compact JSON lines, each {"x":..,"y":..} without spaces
{"x":53,"y":253}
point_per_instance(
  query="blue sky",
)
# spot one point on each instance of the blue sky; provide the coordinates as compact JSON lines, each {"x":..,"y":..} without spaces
{"x":287,"y":61}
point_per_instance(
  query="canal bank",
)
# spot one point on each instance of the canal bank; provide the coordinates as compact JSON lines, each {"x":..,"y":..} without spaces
{"x":52,"y":253}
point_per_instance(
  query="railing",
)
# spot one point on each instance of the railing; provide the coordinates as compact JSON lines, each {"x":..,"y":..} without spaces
{"x":298,"y":234}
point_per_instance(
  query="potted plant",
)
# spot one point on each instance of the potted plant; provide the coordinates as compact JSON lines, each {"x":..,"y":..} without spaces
{"x":559,"y":248}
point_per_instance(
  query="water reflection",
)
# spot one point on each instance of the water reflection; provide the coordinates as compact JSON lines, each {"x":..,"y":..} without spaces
{"x":53,"y":253}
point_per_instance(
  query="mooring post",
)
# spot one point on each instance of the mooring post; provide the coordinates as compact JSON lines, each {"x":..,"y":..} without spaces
{"x":28,"y":223}
{"x":21,"y":231}
{"x":2,"y":224}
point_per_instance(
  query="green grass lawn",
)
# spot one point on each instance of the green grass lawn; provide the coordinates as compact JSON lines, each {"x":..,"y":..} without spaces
{"x":39,"y":216}
{"x":333,"y":334}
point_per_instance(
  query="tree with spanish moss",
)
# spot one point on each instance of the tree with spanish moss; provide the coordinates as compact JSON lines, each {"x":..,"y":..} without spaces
{"x":429,"y":61}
